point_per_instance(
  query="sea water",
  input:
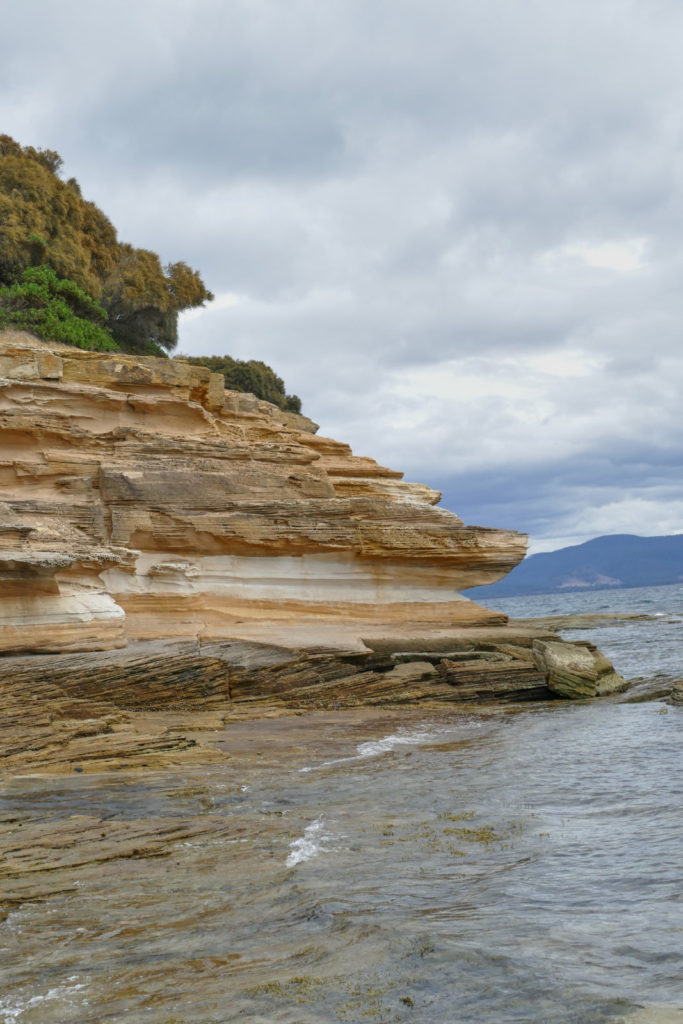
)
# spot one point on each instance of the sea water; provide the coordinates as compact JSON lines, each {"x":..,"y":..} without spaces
{"x":511,"y":865}
{"x":645,"y":648}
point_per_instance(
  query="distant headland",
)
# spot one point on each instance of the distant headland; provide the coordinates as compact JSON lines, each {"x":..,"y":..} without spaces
{"x":614,"y":560}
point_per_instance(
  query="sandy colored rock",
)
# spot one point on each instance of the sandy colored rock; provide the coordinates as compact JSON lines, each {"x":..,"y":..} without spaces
{"x":576,"y":670}
{"x":139,"y":499}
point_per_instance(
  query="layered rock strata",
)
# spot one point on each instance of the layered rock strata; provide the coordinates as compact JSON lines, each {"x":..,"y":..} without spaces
{"x":576,"y":671}
{"x":140,"y":499}
{"x":175,"y":558}
{"x":193,"y":555}
{"x":158,"y":704}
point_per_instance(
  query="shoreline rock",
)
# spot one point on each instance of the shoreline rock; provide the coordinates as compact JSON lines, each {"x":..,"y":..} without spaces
{"x":156,"y":704}
{"x":576,"y":670}
{"x":587,"y":620}
{"x":174,"y":556}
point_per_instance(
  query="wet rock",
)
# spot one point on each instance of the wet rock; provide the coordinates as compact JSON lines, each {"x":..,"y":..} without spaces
{"x":38,"y":861}
{"x":640,"y":690}
{"x":676,"y":695}
{"x":586,"y":620}
{"x":576,"y":670}
{"x":483,"y":681}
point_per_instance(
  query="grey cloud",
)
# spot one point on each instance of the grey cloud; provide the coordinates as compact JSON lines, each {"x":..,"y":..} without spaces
{"x":538,"y":501}
{"x":389,"y":190}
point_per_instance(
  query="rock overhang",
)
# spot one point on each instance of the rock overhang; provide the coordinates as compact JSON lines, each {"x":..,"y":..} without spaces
{"x":142,"y":484}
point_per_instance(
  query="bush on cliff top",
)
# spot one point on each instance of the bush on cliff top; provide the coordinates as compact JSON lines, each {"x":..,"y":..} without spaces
{"x":44,"y":220}
{"x":55,"y":309}
{"x":249,"y":375}
{"x":65,"y":276}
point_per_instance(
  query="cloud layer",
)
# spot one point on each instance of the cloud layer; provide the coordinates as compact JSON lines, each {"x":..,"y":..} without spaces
{"x":452,"y":227}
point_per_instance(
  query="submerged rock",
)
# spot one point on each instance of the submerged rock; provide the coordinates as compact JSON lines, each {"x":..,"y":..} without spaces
{"x":676,"y":695}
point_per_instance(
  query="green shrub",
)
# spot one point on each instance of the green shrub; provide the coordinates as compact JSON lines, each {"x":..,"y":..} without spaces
{"x":55,"y":309}
{"x":249,"y":375}
{"x":44,"y":219}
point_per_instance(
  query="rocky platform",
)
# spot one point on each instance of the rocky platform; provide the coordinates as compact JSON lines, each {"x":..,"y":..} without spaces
{"x":159,"y":704}
{"x":181,"y":566}
{"x":171,"y":715}
{"x":174,"y":556}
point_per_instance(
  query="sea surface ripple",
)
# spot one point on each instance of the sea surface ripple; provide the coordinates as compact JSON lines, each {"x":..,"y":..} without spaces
{"x":508,"y":866}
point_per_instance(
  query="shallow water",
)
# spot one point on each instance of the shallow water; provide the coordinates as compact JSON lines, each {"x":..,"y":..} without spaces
{"x":507,"y":866}
{"x":636,"y":648}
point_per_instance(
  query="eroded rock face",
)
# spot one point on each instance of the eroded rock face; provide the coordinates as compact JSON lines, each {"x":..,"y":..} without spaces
{"x":139,"y":499}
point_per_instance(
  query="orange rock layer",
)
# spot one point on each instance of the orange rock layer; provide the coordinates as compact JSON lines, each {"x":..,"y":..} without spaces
{"x":140,"y":499}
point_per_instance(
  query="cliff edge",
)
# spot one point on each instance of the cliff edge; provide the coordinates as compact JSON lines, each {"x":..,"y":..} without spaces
{"x":139,"y":499}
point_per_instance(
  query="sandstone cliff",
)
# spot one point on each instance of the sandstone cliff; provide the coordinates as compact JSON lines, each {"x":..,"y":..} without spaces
{"x":139,"y":499}
{"x":175,"y":557}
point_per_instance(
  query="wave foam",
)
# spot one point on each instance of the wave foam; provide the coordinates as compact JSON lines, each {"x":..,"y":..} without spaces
{"x":311,"y":843}
{"x":388,"y":743}
{"x":373,"y":748}
{"x":14,"y":1007}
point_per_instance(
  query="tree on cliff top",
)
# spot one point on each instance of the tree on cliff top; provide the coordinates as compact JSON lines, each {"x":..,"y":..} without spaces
{"x":249,"y":375}
{"x":45,"y":221}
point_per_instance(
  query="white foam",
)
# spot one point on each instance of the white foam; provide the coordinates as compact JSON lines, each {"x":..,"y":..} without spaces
{"x":373,"y":748}
{"x":310,"y":844}
{"x":388,"y":743}
{"x":15,"y":1007}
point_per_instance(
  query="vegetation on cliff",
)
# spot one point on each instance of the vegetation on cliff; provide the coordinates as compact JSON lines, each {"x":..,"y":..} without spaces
{"x":249,"y":375}
{"x":55,"y":309}
{"x":65,"y":276}
{"x":46,"y":222}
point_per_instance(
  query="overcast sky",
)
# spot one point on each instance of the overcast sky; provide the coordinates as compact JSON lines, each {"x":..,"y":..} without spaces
{"x":454,"y":227}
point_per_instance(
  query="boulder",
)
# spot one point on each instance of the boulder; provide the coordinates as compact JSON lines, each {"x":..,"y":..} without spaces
{"x":576,"y":670}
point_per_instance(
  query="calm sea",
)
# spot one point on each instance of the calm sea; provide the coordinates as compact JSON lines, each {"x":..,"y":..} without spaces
{"x":513,"y":865}
{"x":636,"y":648}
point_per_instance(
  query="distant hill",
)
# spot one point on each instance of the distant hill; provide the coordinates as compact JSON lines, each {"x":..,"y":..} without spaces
{"x":617,"y":560}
